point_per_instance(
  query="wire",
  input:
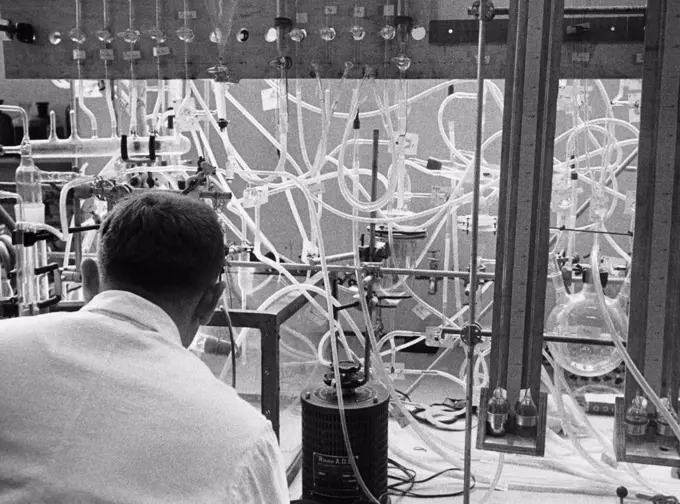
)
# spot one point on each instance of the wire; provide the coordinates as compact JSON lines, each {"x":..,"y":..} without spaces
{"x":411,"y":481}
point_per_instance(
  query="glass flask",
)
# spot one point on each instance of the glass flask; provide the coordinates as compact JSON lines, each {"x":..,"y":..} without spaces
{"x":579,"y":316}
{"x":404,"y":249}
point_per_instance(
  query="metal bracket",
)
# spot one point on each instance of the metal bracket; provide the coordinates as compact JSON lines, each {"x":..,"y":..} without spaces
{"x":476,"y":10}
{"x":471,"y":334}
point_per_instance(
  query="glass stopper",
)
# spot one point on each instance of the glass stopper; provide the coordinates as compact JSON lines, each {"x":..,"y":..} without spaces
{"x":388,"y":32}
{"x":358,"y":32}
{"x":157,"y":34}
{"x":55,"y":37}
{"x":298,"y":34}
{"x":130,"y":36}
{"x":271,"y":35}
{"x":104,"y":35}
{"x":216,"y":36}
{"x":327,"y":33}
{"x":402,"y":61}
{"x":77,"y":35}
{"x":185,"y":34}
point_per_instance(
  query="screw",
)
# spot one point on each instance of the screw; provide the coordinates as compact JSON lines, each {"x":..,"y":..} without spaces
{"x":308,"y":395}
{"x":375,"y":400}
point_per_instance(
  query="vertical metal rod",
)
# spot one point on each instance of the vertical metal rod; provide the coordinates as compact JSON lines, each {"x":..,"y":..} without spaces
{"x":77,"y":237}
{"x":371,"y":244}
{"x":474,"y":248}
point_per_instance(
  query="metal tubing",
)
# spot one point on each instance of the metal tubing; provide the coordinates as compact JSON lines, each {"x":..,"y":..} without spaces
{"x":369,"y":288}
{"x":337,"y":268}
{"x":474,"y":250}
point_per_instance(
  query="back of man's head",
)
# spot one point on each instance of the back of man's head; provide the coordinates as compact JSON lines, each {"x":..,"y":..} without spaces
{"x":162,"y":244}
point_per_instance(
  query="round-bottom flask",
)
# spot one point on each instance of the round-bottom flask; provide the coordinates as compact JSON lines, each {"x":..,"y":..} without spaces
{"x":582,"y":318}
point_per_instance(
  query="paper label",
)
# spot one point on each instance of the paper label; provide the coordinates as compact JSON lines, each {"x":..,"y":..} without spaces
{"x":330,"y":10}
{"x":388,"y":10}
{"x":634,"y":110}
{"x":78,"y":54}
{"x":359,"y":11}
{"x":249,"y":197}
{"x":132,"y":55}
{"x":301,"y":18}
{"x":334,"y":474}
{"x":106,"y":54}
{"x":187,"y":14}
{"x":411,"y":144}
{"x":421,"y":311}
{"x":270,"y":99}
{"x":440,"y":194}
{"x":580,"y":57}
{"x":629,"y":208}
{"x":161,"y":51}
{"x":396,"y":370}
{"x":317,"y":189}
{"x":309,"y":251}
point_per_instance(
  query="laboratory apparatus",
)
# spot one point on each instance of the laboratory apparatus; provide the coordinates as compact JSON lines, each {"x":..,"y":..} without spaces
{"x":448,"y":224}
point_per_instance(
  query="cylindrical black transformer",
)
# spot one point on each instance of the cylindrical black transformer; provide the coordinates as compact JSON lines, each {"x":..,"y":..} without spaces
{"x":327,"y":476}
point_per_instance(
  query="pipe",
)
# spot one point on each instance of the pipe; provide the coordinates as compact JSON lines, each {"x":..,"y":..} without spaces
{"x":24,"y":120}
{"x":474,"y":250}
{"x":103,"y":147}
{"x":371,"y":248}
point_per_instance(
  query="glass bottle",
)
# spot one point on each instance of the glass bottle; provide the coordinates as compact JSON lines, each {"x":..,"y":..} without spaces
{"x":636,"y":418}
{"x":526,"y":415}
{"x":663,"y":429}
{"x":497,"y":412}
{"x":580,"y":316}
{"x":31,"y":288}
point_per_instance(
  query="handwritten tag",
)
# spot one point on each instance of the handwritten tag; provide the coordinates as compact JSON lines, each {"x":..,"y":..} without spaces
{"x":161,"y":51}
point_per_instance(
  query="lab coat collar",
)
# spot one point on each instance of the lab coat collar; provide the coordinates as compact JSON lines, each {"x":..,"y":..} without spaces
{"x":143,"y":312}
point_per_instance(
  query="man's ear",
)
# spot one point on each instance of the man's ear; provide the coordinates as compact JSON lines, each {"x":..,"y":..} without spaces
{"x":90,"y":273}
{"x":209,"y":301}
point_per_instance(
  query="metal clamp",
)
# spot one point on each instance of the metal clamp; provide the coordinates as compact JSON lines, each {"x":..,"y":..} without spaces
{"x":471,"y":334}
{"x":476,"y":10}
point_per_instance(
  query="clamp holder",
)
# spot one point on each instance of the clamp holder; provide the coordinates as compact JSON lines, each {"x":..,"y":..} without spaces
{"x":471,"y":334}
{"x":486,"y":15}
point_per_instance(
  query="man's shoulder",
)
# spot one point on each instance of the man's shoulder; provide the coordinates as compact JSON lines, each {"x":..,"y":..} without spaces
{"x":30,"y":325}
{"x":226,"y":402}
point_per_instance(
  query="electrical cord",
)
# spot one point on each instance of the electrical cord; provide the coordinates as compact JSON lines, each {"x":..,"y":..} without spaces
{"x":411,"y":481}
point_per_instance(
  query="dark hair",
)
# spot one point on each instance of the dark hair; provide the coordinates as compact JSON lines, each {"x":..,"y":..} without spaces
{"x":162,"y":243}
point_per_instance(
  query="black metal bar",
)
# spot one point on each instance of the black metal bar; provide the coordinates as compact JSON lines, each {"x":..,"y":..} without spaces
{"x":614,"y":10}
{"x":270,"y":379}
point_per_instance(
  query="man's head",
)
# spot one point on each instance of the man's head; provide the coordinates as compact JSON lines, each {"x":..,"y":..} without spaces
{"x":166,"y":248}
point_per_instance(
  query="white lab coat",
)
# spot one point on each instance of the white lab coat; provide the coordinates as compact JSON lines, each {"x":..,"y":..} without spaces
{"x":104,"y":405}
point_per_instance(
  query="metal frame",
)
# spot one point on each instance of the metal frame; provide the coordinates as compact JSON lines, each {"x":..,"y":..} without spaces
{"x":609,"y":54}
{"x":654,"y":323}
{"x":524,"y":211}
